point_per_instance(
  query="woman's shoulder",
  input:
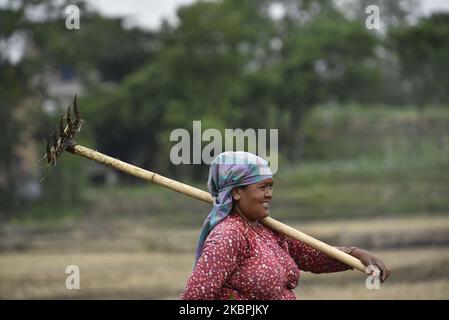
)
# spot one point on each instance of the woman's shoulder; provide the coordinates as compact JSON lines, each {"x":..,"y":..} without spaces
{"x":232,"y":224}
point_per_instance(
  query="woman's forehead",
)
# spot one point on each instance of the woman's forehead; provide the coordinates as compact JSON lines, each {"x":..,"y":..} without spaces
{"x":266,"y":181}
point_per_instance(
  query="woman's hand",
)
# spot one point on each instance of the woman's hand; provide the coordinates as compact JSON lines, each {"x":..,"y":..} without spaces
{"x":367,"y":258}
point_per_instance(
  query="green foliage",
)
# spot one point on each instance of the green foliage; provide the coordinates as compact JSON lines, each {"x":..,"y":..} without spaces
{"x":10,"y":95}
{"x":230,"y":64}
{"x":219,"y":65}
{"x":423,"y":50}
{"x":377,"y":133}
{"x":117,"y":51}
{"x":63,"y":184}
{"x":49,"y":48}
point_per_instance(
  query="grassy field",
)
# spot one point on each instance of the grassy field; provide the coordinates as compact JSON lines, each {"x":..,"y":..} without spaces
{"x":381,"y":184}
{"x":138,"y":242}
{"x":127,"y":259}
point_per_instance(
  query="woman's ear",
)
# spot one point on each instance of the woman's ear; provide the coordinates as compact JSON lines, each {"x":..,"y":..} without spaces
{"x":235,"y":194}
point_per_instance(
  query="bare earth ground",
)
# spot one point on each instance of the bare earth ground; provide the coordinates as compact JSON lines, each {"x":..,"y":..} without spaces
{"x":123,"y":259}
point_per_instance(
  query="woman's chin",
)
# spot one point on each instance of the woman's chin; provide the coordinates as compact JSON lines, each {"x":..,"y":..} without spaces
{"x":265,"y":213}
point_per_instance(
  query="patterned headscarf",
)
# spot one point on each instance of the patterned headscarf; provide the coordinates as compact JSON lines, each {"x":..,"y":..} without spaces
{"x":227,"y":171}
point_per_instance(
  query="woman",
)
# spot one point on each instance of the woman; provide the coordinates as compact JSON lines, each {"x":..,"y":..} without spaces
{"x":239,"y":258}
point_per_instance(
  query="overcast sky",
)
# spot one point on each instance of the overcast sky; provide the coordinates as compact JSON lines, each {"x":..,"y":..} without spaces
{"x":144,"y":13}
{"x":149,"y":13}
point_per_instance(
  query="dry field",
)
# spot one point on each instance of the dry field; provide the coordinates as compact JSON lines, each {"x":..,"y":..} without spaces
{"x":123,"y":259}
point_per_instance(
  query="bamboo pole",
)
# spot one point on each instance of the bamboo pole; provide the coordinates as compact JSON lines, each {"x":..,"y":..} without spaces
{"x":206,"y":197}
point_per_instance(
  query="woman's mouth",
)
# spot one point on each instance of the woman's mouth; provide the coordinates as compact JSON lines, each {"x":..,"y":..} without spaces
{"x":266,"y":205}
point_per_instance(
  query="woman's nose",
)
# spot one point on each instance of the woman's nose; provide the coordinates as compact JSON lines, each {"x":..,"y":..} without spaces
{"x":269,"y":192}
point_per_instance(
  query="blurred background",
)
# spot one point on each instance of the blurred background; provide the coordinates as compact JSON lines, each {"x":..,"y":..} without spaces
{"x":363,"y":124}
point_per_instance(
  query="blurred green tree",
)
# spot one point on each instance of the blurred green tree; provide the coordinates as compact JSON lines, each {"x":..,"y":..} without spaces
{"x":423,"y":52}
{"x":234,"y":64}
{"x":325,"y":58}
{"x":198,"y":73}
{"x":33,"y":46}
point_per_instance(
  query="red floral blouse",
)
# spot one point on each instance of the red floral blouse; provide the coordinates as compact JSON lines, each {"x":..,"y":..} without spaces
{"x":245,"y":261}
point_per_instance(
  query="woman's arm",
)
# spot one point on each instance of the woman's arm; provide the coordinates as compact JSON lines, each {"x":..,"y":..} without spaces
{"x":220,"y":256}
{"x":312,"y":260}
{"x":309,"y":259}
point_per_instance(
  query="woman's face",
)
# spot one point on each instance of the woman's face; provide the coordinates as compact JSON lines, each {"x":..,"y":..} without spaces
{"x":253,"y":200}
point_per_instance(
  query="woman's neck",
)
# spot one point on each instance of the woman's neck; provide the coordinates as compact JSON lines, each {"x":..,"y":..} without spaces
{"x":240,"y":213}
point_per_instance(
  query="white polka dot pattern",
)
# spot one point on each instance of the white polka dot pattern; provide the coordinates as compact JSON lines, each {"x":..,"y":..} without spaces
{"x":244,"y":261}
